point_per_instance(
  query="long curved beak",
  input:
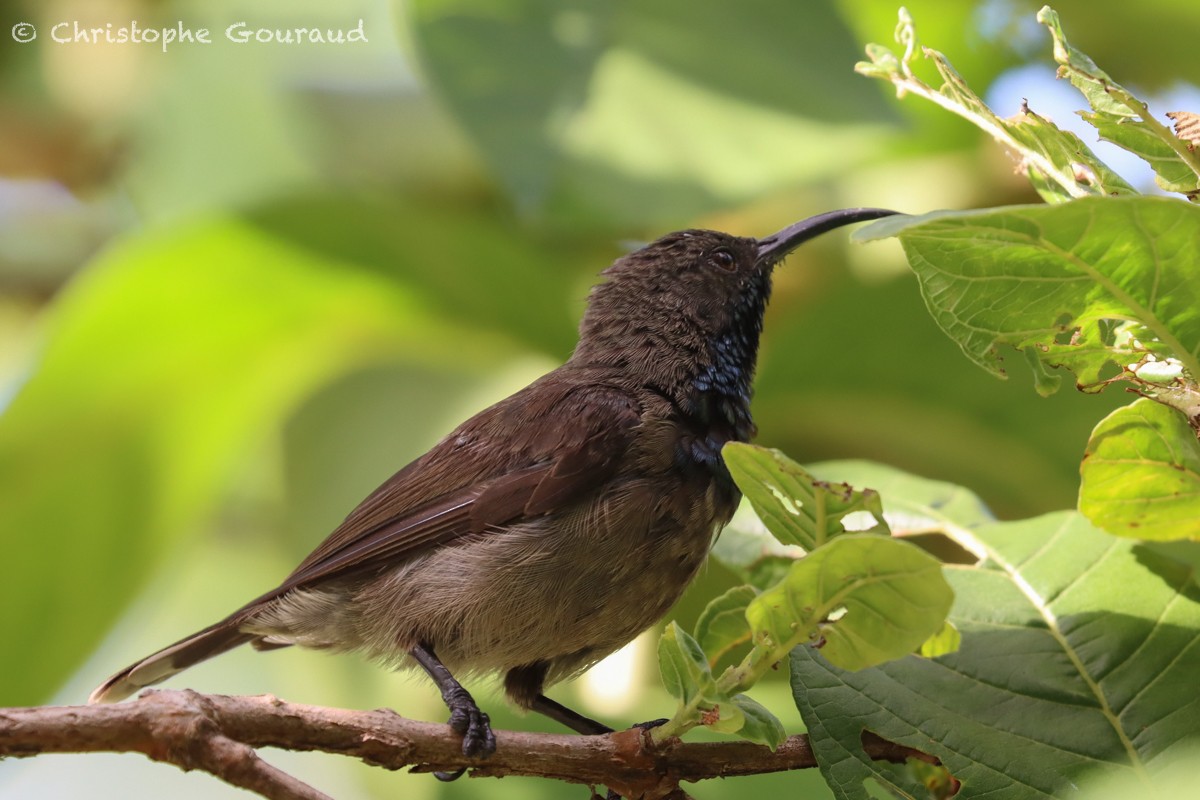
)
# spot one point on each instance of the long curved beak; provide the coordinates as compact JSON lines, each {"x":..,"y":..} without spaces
{"x":772,"y":249}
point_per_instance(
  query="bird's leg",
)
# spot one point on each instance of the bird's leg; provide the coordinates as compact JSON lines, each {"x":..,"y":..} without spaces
{"x":465,"y":716}
{"x":524,"y":686}
{"x":565,"y":716}
{"x":578,"y":722}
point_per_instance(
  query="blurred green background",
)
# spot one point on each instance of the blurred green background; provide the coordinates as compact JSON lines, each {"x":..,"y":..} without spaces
{"x":241,"y":284}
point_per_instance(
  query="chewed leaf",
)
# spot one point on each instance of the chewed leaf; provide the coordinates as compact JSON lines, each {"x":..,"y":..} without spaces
{"x":1122,"y":118}
{"x":1026,"y":276}
{"x":1082,"y":70}
{"x":1057,"y":162}
{"x":797,"y":508}
{"x":912,"y":504}
{"x":866,"y":599}
{"x":1153,"y":145}
{"x":751,"y":552}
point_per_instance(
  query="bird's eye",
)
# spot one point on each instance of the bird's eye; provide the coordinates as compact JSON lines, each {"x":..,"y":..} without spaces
{"x":723,"y":259}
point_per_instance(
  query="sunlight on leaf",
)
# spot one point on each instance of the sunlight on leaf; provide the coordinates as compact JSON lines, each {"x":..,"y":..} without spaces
{"x":1076,"y":653}
{"x":1141,"y":474}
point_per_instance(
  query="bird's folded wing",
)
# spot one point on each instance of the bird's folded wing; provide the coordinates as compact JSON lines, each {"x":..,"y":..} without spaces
{"x":539,"y":451}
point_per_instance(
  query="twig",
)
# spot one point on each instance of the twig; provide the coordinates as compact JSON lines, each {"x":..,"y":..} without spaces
{"x":219,"y":735}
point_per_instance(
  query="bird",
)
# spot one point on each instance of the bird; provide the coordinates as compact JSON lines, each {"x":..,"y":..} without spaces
{"x":550,"y":529}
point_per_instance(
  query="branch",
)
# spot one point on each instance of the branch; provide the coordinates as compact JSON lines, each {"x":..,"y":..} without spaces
{"x":219,"y":735}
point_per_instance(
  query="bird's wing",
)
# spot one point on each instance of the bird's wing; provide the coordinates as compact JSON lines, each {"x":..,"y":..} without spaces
{"x":539,"y":450}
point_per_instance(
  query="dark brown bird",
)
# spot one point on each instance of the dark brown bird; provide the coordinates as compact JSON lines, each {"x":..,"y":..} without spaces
{"x":551,"y":529}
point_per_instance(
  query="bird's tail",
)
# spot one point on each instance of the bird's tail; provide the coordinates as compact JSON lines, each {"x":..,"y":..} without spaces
{"x":152,"y":669}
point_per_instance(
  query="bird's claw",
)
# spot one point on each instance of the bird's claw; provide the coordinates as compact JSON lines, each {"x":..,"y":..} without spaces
{"x":474,"y":726}
{"x":653,"y":723}
{"x":476,"y":729}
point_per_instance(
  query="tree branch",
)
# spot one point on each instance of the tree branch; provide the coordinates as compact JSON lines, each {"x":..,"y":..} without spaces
{"x":219,"y":735}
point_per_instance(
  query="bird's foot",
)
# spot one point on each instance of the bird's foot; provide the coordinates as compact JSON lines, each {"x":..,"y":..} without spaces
{"x":465,"y":717}
{"x":474,"y":726}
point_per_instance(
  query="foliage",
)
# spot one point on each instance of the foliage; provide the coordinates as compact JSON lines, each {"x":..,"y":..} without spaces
{"x":1065,"y":657}
{"x":257,"y":280}
{"x":595,"y":78}
{"x":1074,"y":662}
{"x":1102,"y":282}
{"x":863,"y":598}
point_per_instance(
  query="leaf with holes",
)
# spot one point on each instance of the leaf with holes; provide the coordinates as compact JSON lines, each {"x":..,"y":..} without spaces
{"x":794,"y":505}
{"x":912,"y":505}
{"x":1057,"y":162}
{"x":1123,"y":119}
{"x":1078,"y":657}
{"x":1027,"y":276}
{"x":867,"y":598}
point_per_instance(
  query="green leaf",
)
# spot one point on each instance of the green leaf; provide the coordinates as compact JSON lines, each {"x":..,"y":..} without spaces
{"x":1027,"y":276}
{"x":945,"y":641}
{"x":796,"y":507}
{"x":1123,"y":119}
{"x":1083,"y":73}
{"x":1078,"y":655}
{"x":434,"y":249}
{"x":863,"y":597}
{"x":684,"y":668}
{"x":1171,"y":172}
{"x":1058,"y":163}
{"x":165,"y":362}
{"x":869,"y":598}
{"x":468,"y":47}
{"x":578,"y":108}
{"x":759,"y":725}
{"x":1042,"y":142}
{"x":722,"y":625}
{"x":749,"y":550}
{"x":912,"y":504}
{"x":1141,"y":474}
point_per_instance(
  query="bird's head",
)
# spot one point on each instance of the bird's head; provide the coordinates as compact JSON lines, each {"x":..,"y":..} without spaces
{"x":686,"y":310}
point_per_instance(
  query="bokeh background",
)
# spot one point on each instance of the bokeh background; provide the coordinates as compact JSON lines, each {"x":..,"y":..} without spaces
{"x":241,"y":284}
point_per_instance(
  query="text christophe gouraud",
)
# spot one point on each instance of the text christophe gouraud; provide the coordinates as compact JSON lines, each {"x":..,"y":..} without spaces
{"x":133,"y":32}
